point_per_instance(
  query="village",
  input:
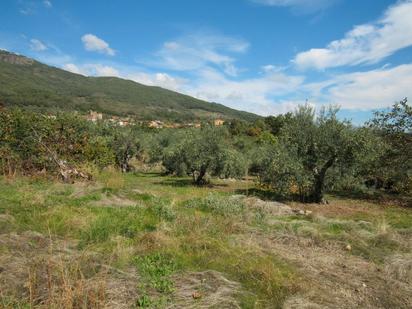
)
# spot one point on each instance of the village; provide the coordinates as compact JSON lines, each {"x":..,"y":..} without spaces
{"x":94,"y":116}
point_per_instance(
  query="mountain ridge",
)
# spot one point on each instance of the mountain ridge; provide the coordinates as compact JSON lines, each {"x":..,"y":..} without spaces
{"x":30,"y":84}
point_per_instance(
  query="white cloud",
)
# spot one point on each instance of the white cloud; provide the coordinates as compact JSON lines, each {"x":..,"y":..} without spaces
{"x":93,"y":43}
{"x":365,"y":90}
{"x":299,"y":6}
{"x":92,"y":69}
{"x":198,"y":50}
{"x":255,"y":95}
{"x":71,"y":67}
{"x":163,"y":80}
{"x":37,"y":45}
{"x":103,"y":70}
{"x":47,"y":4}
{"x":270,"y":68}
{"x":367,"y":43}
{"x":27,"y":11}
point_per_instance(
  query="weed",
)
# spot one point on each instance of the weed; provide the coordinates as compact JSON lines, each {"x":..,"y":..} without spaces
{"x":218,"y":204}
{"x":157,"y":268}
{"x":163,"y":210}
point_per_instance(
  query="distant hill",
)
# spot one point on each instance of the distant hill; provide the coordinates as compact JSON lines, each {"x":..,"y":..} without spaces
{"x":32,"y":85}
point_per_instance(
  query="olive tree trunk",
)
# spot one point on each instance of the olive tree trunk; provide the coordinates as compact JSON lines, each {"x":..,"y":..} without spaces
{"x":316,"y":195}
{"x":200,"y":179}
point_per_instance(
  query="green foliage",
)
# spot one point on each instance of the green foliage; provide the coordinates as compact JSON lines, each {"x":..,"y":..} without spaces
{"x":276,"y":123}
{"x":204,"y":151}
{"x":394,"y":167}
{"x":309,"y":147}
{"x":125,"y":145}
{"x":35,"y":142}
{"x":98,"y":151}
{"x":157,"y":269}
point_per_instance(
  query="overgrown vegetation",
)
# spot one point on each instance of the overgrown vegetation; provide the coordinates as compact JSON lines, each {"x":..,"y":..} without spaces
{"x":300,"y":155}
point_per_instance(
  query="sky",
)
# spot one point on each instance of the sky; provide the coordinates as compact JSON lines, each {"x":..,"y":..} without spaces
{"x":261,"y":56}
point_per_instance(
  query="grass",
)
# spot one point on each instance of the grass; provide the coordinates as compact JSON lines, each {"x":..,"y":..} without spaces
{"x":175,"y":229}
{"x":156,"y":270}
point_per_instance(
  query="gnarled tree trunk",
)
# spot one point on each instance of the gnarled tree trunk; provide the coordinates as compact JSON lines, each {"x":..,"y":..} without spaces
{"x":316,"y":195}
{"x":200,"y":179}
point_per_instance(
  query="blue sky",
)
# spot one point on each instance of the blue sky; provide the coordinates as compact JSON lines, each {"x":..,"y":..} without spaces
{"x":263,"y":56}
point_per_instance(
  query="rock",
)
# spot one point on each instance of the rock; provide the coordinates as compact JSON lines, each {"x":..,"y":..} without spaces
{"x":207,"y":289}
{"x":15,"y":59}
{"x":302,"y":212}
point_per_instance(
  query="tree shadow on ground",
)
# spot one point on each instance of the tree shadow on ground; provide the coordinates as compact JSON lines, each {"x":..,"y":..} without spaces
{"x":187,"y":182}
{"x":263,"y":194}
{"x":375,"y":196}
{"x":148,"y":174}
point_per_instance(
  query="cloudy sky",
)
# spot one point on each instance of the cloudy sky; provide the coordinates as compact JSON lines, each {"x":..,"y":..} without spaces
{"x":262,"y":56}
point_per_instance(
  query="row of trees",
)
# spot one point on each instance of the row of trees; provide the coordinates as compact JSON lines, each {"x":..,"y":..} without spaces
{"x":300,"y":153}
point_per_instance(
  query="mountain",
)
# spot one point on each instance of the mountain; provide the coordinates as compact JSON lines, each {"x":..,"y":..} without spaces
{"x":30,"y":84}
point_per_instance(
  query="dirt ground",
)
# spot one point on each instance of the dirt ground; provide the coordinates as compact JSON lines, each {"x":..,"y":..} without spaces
{"x":334,"y":278}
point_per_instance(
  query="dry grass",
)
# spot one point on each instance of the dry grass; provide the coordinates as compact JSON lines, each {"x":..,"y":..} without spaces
{"x":42,"y":272}
{"x":226,"y":251}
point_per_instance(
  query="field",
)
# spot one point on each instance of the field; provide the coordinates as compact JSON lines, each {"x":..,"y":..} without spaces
{"x":146,"y":240}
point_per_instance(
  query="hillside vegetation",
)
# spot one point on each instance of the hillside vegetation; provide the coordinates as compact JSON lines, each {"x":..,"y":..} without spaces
{"x":30,"y":84}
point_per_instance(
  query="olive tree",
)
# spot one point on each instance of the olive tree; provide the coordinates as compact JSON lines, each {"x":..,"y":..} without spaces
{"x":307,"y":149}
{"x":204,"y":151}
{"x":394,"y":171}
{"x":125,"y":144}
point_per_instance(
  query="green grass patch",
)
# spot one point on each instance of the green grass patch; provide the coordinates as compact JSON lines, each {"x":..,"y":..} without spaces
{"x":156,"y":270}
{"x":111,"y":222}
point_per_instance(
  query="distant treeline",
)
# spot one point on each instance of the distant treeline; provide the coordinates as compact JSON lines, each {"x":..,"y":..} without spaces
{"x":300,"y":154}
